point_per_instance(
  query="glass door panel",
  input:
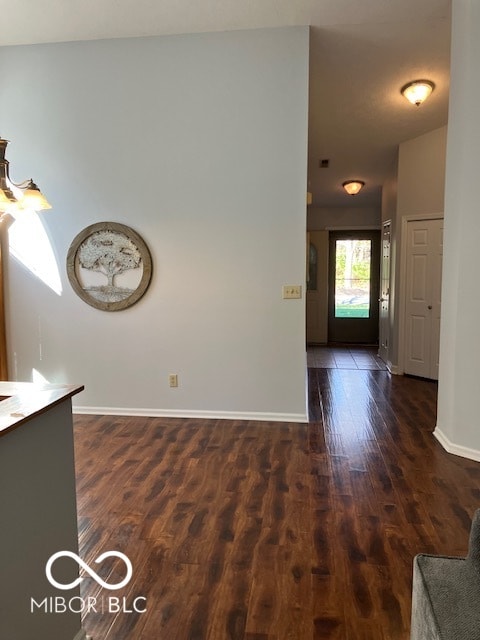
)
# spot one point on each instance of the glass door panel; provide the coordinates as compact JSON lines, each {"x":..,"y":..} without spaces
{"x":353,"y":260}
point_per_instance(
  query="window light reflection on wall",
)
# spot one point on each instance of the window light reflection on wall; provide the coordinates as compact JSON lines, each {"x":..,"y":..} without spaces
{"x":30,"y":245}
{"x":28,"y":240}
{"x":38,"y":378}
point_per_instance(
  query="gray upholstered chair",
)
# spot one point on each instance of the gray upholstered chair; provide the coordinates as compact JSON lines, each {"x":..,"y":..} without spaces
{"x":446,"y":594}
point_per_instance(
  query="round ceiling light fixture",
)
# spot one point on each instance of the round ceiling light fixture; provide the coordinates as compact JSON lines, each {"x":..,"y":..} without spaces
{"x":417,"y":91}
{"x":352,"y":187}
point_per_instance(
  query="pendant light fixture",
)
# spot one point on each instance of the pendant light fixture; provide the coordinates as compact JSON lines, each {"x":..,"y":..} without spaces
{"x":352,"y":187}
{"x":417,"y":91}
{"x":27,"y":195}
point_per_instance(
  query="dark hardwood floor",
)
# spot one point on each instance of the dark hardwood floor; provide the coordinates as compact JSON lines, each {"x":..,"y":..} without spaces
{"x":269,"y":531}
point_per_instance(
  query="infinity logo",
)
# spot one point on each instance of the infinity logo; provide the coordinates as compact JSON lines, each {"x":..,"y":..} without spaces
{"x":95,"y":576}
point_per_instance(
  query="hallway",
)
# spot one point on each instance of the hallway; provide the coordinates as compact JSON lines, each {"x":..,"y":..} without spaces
{"x":385,"y":491}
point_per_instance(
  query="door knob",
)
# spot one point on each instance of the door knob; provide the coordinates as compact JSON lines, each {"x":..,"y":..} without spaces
{"x":429,"y":306}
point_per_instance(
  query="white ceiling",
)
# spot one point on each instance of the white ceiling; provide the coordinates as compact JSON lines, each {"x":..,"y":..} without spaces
{"x":362,"y":52}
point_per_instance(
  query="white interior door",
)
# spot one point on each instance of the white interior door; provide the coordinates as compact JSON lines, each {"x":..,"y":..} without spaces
{"x":423,"y":303}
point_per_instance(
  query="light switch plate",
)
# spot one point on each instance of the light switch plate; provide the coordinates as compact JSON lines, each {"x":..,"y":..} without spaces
{"x":292,"y":291}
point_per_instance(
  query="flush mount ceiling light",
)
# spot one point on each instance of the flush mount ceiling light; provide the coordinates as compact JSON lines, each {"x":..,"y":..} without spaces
{"x":25,"y":195}
{"x":417,"y":91}
{"x":352,"y":187}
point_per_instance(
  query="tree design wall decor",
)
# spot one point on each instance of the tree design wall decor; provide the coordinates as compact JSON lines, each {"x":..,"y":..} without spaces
{"x":109,"y":266}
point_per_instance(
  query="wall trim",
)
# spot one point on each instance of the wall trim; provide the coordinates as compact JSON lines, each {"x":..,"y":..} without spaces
{"x":182,"y":413}
{"x":456,"y":449}
{"x":81,"y":635}
{"x":394,"y":369}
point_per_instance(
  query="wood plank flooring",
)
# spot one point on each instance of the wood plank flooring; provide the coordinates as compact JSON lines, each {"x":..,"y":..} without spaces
{"x":272,"y":531}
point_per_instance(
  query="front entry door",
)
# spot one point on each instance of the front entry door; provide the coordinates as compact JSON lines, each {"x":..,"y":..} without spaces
{"x":354,"y":275}
{"x":422,"y":304}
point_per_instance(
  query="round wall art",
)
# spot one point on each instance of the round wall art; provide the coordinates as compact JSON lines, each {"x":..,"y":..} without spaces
{"x":109,"y":266}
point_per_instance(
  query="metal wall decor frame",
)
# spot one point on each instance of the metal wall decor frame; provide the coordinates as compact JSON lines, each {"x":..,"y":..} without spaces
{"x":109,"y":248}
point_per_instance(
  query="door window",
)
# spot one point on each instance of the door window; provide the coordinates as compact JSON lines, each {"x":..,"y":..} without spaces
{"x":353,"y":259}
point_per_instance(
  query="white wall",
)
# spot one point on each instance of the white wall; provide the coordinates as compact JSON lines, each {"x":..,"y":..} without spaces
{"x":199,"y":143}
{"x":320,"y":218}
{"x":458,"y":425}
{"x":421,"y":174}
{"x":420,"y":189}
{"x":389,"y":194}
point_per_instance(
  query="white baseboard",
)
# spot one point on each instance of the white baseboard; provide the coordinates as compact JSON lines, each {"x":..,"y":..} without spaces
{"x":205,"y":415}
{"x":456,"y":449}
{"x":394,"y":369}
